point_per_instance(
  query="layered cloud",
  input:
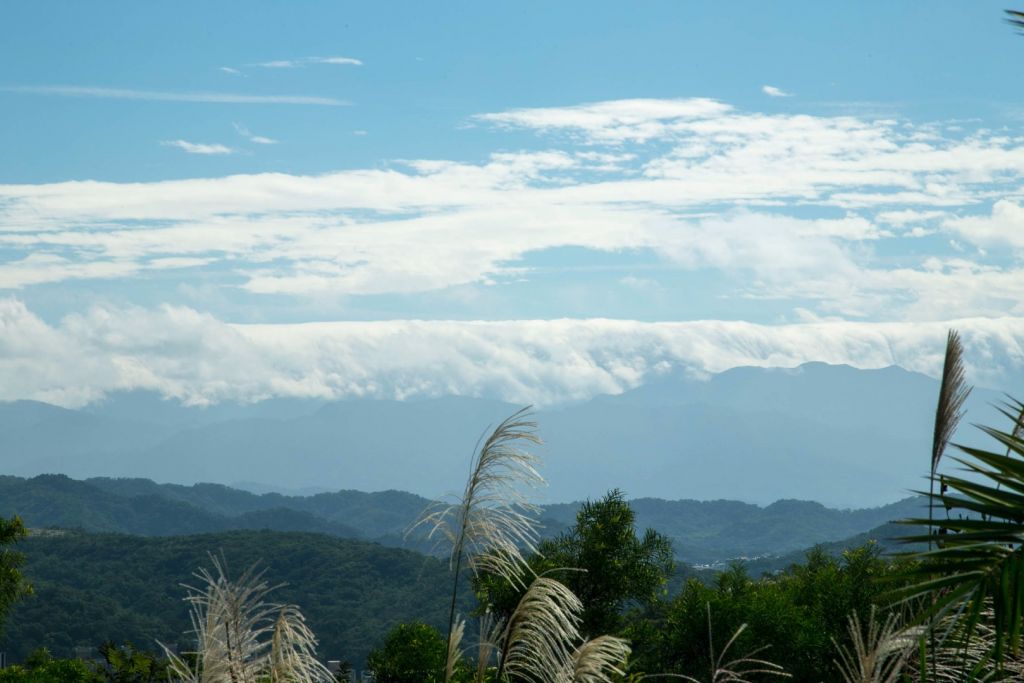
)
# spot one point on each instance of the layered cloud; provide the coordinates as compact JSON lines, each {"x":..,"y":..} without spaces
{"x":306,"y":61}
{"x":166,"y":96}
{"x":192,"y":356}
{"x":198,"y":147}
{"x":810,"y":209}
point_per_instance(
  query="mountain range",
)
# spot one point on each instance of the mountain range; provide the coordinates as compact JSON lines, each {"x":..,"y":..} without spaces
{"x":701,"y":532}
{"x":841,"y":436}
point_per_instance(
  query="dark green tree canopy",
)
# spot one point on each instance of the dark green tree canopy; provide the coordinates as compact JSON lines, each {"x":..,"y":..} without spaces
{"x":411,"y":653}
{"x":602,"y":560}
{"x":12,"y":583}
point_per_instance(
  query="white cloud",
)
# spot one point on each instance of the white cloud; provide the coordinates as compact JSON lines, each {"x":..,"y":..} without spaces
{"x":198,"y":147}
{"x":1004,"y":226}
{"x":617,"y":120}
{"x":772,"y":91}
{"x":903,"y":217}
{"x":297,"y":63}
{"x":251,"y":137}
{"x":345,"y":61}
{"x":163,"y":96}
{"x":230,"y":70}
{"x":192,"y":356}
{"x":279,"y":64}
{"x":726,"y":191}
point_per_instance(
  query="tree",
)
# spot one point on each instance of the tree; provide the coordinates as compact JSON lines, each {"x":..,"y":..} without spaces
{"x":601,"y":559}
{"x":412,"y":653}
{"x":128,"y":664}
{"x":42,"y":667}
{"x":12,"y":584}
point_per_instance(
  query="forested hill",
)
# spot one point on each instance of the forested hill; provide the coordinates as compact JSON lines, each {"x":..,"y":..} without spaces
{"x":90,"y":587}
{"x":701,"y":532}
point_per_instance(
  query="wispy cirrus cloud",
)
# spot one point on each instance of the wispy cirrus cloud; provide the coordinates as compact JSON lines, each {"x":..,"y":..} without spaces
{"x":198,"y":147}
{"x":811,"y":211}
{"x":772,"y":91}
{"x":166,"y":96}
{"x":252,"y":137}
{"x":307,"y":61}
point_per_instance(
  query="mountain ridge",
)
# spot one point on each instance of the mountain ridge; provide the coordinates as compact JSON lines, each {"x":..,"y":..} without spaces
{"x":842,"y":436}
{"x":701,"y":531}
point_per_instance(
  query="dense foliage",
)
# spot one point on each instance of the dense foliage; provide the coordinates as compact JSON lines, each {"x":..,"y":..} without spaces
{"x":92,"y":587}
{"x":12,"y":584}
{"x":115,"y":664}
{"x":411,"y":653}
{"x":601,"y":559}
{"x":796,"y":615}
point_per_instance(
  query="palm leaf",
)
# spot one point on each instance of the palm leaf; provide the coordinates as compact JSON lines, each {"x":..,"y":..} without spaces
{"x":978,"y":562}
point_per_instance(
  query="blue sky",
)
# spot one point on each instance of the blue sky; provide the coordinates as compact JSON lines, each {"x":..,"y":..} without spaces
{"x":190,"y":185}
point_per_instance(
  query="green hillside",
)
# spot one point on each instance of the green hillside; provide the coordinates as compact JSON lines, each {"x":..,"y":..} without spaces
{"x":701,"y":532}
{"x":90,"y":587}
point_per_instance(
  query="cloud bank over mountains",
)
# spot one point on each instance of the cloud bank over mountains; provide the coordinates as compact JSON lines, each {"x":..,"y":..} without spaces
{"x":847,"y":238}
{"x":192,"y":356}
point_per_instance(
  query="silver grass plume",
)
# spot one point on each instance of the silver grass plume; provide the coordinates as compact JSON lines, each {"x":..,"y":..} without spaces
{"x":230,"y":621}
{"x":878,"y":655}
{"x":293,"y":650}
{"x":740,"y":669}
{"x":236,"y":633}
{"x":493,"y":523}
{"x":596,"y":661}
{"x":454,"y":654}
{"x":538,"y":641}
{"x":966,"y":655}
{"x":487,"y":644}
{"x":952,"y":394}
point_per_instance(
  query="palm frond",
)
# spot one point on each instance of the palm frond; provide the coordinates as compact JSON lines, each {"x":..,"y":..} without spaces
{"x":979,"y":559}
{"x":966,"y":655}
{"x":537,"y":642}
{"x":597,"y":660}
{"x":1016,"y":19}
{"x":953,"y":392}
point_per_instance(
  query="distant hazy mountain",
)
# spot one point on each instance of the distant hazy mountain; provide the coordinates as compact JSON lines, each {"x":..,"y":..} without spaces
{"x":834,"y":434}
{"x":701,"y":532}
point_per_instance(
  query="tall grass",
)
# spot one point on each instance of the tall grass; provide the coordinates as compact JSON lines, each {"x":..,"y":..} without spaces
{"x":243,"y":637}
{"x":491,"y":528}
